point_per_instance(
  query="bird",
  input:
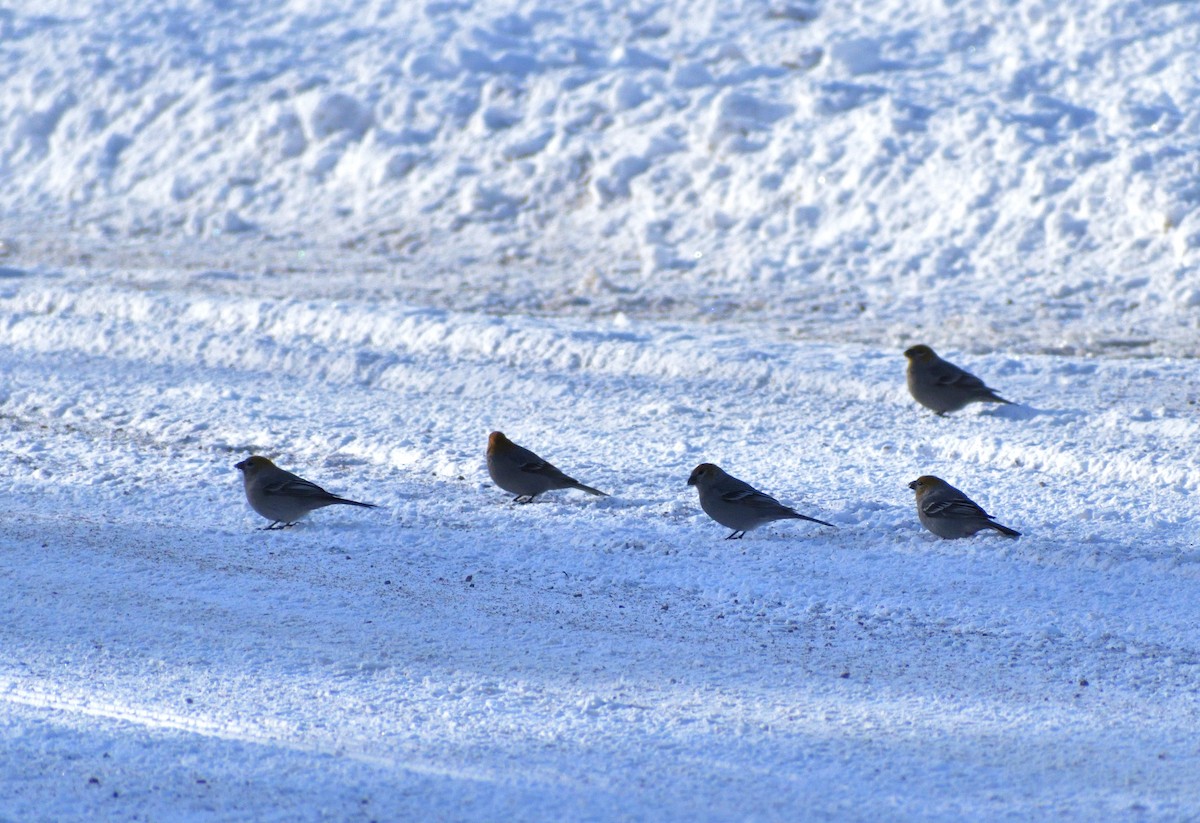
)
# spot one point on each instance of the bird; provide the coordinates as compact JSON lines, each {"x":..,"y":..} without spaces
{"x":519,"y":471}
{"x":949,"y":513}
{"x":942,"y":386}
{"x":282,"y":497}
{"x":736,"y":504}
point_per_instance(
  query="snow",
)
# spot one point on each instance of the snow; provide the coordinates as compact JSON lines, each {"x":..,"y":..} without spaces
{"x":358,"y":237}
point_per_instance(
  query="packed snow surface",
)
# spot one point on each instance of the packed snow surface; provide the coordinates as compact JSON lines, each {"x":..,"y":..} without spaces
{"x":358,"y":237}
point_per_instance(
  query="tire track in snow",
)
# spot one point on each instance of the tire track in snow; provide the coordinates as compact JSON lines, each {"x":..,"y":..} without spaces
{"x":269,"y":732}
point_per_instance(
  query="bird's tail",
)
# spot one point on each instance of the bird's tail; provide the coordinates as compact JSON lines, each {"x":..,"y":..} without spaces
{"x":588,"y":489}
{"x":347,"y":502}
{"x":797,"y":516}
{"x":1004,"y":530}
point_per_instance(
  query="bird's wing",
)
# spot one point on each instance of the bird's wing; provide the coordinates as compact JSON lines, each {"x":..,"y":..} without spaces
{"x":535,"y":466}
{"x":953,"y":507}
{"x":527,"y":461}
{"x":751,"y":497}
{"x":295,"y":487}
{"x":948,"y":374}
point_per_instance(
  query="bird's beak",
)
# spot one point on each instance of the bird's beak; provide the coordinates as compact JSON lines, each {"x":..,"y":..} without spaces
{"x":692,"y":480}
{"x":240,"y":466}
{"x":913,"y":485}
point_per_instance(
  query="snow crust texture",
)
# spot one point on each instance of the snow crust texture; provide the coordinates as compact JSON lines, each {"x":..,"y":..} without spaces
{"x":358,"y":237}
{"x":890,"y":163}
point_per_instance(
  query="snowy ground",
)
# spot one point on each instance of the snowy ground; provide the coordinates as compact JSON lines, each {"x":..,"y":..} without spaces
{"x":634,"y":239}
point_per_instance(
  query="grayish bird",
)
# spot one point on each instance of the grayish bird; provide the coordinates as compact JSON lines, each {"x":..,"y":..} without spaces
{"x":942,"y":386}
{"x":949,"y":513}
{"x":519,"y":471}
{"x":736,"y":504}
{"x":282,"y":497}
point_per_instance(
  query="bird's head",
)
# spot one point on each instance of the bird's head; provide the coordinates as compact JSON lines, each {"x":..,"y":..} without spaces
{"x":925,"y":482}
{"x":919,"y":354}
{"x":497,"y":442}
{"x":703,"y":472}
{"x":253,"y":464}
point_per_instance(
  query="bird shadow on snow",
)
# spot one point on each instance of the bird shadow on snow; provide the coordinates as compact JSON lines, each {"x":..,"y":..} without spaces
{"x":1021,"y":411}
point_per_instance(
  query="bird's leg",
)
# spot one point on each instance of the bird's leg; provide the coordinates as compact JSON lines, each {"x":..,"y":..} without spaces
{"x":737,"y":534}
{"x":523,"y":498}
{"x":274,"y":525}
